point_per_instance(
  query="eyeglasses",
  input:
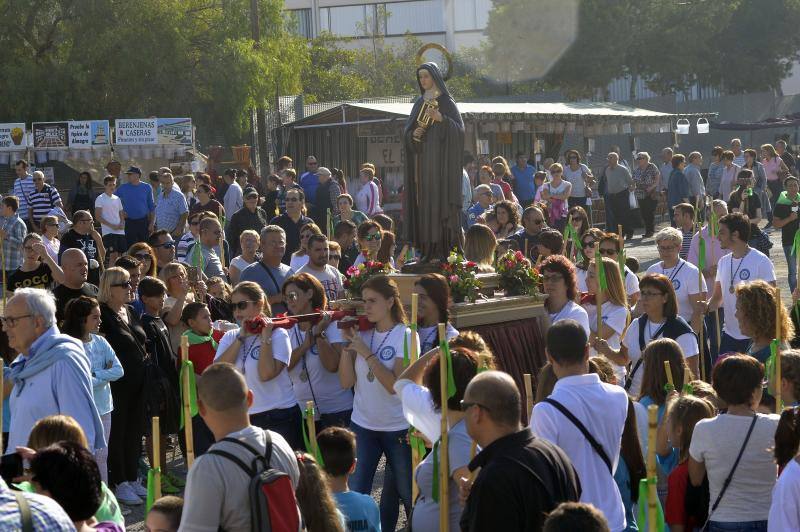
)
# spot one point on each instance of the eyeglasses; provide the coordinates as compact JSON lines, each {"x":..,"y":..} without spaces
{"x":167,"y":245}
{"x":466,"y":405}
{"x":608,"y":252}
{"x":588,"y":243}
{"x":370,"y":238}
{"x":292,"y":296}
{"x":126,"y":284}
{"x":241,"y":305}
{"x":667,"y":248}
{"x":651,"y":294}
{"x":9,"y":321}
{"x":51,"y":224}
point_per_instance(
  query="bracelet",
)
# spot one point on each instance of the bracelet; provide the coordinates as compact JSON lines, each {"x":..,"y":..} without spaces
{"x":367,"y":359}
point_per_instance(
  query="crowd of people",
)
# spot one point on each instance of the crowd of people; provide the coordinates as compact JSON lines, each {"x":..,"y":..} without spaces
{"x":102,"y":292}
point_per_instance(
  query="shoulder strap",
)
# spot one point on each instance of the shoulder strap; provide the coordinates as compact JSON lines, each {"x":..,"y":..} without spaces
{"x":26,"y":517}
{"x":274,"y":281}
{"x":642,"y":325}
{"x":733,"y":469}
{"x":580,"y":426}
{"x":233,"y":459}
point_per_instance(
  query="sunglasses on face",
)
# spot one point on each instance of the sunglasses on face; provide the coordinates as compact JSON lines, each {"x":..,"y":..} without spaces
{"x":167,"y":245}
{"x":370,"y":238}
{"x":126,"y":284}
{"x":51,"y":224}
{"x":241,"y":305}
{"x":608,"y":252}
{"x":143,"y":256}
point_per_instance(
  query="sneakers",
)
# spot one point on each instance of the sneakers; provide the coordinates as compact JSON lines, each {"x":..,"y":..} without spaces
{"x":167,"y":487}
{"x":126,"y":494}
{"x":174,"y":479}
{"x":138,"y":489}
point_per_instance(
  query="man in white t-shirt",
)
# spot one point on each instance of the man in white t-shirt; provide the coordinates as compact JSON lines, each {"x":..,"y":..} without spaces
{"x":318,"y":267}
{"x":217,"y":489}
{"x":599,"y":408}
{"x":109,"y":212}
{"x":234,"y":197}
{"x":743,"y":264}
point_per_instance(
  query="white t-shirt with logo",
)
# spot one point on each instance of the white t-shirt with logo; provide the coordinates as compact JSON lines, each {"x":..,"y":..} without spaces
{"x":329,"y":277}
{"x":267,"y":395}
{"x":652,"y":331}
{"x":427,"y":336}
{"x":374,"y":408}
{"x":733,"y":272}
{"x":631,"y":282}
{"x":310,"y":379}
{"x":616,"y":317}
{"x":685,"y":278}
{"x":572,"y":311}
{"x":111,"y":206}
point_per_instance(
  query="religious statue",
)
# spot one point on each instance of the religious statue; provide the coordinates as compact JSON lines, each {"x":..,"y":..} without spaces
{"x":434,"y":145}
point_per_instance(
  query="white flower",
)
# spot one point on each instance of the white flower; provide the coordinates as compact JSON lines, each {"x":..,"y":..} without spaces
{"x":452,"y":259}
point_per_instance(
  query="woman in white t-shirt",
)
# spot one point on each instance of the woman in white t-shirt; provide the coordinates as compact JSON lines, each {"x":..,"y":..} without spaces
{"x":434,"y":299}
{"x":248,"y":241}
{"x":368,"y":197}
{"x":370,"y":235}
{"x":611,"y":247}
{"x":262,"y":354}
{"x":300,"y":257}
{"x":560,"y":285}
{"x":614,"y":314}
{"x":716,"y":442}
{"x":371,"y":363}
{"x":580,"y":176}
{"x":589,"y":242}
{"x":659,"y":319}
{"x":316,"y":350}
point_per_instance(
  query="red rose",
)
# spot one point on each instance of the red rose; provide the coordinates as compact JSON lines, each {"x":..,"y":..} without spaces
{"x":519,"y":256}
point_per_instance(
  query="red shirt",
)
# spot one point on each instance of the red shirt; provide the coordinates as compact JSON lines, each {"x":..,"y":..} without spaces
{"x":675,"y":511}
{"x":202,"y":355}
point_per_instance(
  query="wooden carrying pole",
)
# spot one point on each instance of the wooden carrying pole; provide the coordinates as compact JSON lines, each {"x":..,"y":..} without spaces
{"x":444,"y":460}
{"x":702,"y":344}
{"x":415,"y":457}
{"x":156,"y":439}
{"x":187,"y":408}
{"x":668,"y":371}
{"x":652,"y":495}
{"x":777,"y":386}
{"x":221,"y":250}
{"x":528,"y":396}
{"x":711,"y":237}
{"x":312,"y":429}
{"x":598,"y":297}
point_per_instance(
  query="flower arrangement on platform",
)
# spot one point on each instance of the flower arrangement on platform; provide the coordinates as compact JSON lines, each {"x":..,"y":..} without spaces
{"x":517,"y":276}
{"x":461,"y":276}
{"x":358,"y":275}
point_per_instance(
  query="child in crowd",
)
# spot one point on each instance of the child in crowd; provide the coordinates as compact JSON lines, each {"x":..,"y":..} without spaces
{"x":686,"y":506}
{"x":314,"y":498}
{"x":337,"y":446}
{"x":203,"y":342}
{"x":164,"y":515}
{"x":218,"y":288}
{"x":787,"y":435}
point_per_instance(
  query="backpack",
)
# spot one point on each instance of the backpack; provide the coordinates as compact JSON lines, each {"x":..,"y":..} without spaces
{"x":273,"y":507}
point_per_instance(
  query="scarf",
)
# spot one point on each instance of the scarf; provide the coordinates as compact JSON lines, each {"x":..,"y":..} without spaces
{"x":783,"y":199}
{"x":195,"y":339}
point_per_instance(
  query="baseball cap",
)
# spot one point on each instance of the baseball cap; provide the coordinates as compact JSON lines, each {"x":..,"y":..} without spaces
{"x":134,"y":170}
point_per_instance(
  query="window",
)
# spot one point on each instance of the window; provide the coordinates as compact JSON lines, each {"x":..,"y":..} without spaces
{"x":300,"y":22}
{"x":472,"y":15}
{"x":345,"y":21}
{"x":421,"y":16}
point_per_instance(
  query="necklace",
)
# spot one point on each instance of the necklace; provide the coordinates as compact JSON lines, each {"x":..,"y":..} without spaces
{"x":429,"y":339}
{"x":304,"y":371}
{"x":370,"y":374}
{"x":248,"y":352}
{"x":733,"y":273}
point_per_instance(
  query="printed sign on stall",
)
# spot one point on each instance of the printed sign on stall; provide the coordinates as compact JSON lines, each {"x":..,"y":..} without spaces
{"x":136,"y":131}
{"x":88,"y":133}
{"x":175,"y":131}
{"x":50,"y":135}
{"x":12,"y":137}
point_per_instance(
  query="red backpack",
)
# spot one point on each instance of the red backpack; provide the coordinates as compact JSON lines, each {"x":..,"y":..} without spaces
{"x":273,"y":507}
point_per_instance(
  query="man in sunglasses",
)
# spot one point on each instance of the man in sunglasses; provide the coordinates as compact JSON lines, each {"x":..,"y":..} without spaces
{"x":527,"y":238}
{"x":164,"y":246}
{"x":83,"y":236}
{"x":292,"y":220}
{"x":309,"y":180}
{"x":522,"y":478}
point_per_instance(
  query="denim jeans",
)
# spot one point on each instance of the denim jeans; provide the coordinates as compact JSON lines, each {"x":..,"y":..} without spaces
{"x":288,"y":422}
{"x":737,"y":526}
{"x":711,"y":327}
{"x":334,"y":419}
{"x":791,"y":261}
{"x":370,"y":445}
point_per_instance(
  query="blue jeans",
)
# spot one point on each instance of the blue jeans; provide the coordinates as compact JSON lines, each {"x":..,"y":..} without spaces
{"x":729,"y":344}
{"x":791,"y":261}
{"x":370,"y":445}
{"x":711,"y":327}
{"x":740,"y":526}
{"x":334,"y":419}
{"x":136,"y":230}
{"x":288,"y":422}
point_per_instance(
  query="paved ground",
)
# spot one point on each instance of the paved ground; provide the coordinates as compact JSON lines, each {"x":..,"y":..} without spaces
{"x":644,"y":250}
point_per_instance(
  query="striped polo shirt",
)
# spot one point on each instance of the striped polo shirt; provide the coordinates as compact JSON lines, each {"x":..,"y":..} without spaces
{"x":43,"y":201}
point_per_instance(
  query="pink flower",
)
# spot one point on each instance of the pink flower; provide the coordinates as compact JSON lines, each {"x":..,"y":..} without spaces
{"x":453,"y":279}
{"x":509,"y":264}
{"x":518,"y":255}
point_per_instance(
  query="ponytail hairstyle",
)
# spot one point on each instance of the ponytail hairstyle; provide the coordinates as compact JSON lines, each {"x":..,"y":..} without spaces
{"x":387,"y":288}
{"x":787,"y":436}
{"x":685,"y":412}
{"x":314,"y":497}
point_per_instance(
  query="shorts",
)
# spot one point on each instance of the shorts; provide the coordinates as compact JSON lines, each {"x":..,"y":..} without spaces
{"x":115,"y":243}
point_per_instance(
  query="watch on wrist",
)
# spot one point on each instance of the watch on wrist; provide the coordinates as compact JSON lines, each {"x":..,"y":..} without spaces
{"x":322,"y":335}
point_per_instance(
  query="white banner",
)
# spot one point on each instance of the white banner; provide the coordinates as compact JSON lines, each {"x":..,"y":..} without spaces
{"x":12,"y":137}
{"x":136,"y":131}
{"x":89,"y":133}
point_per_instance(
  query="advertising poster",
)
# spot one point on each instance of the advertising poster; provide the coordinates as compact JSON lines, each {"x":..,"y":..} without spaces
{"x":12,"y":137}
{"x":88,"y":133}
{"x":136,"y":131}
{"x":175,"y":131}
{"x":50,"y":135}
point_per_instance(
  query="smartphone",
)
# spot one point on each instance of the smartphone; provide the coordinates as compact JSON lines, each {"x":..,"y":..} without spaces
{"x":193,"y":274}
{"x":10,"y":466}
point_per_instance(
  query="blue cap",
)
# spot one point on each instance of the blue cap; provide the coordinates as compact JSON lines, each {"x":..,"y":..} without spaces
{"x":134,"y":170}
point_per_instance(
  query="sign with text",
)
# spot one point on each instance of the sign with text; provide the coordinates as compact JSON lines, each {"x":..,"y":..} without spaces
{"x":175,"y":131}
{"x":89,"y":133}
{"x":136,"y":131}
{"x":12,"y":137}
{"x":386,"y":151}
{"x":50,"y":135}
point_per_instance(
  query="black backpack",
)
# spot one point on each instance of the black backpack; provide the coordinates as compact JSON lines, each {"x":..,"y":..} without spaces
{"x":273,"y":507}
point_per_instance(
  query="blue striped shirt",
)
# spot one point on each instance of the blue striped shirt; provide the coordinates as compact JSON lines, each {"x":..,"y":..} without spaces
{"x":22,"y":190}
{"x":169,"y":209}
{"x":46,"y":514}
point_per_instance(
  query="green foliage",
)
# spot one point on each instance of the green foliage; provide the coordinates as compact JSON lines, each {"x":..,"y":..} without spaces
{"x":87,"y":59}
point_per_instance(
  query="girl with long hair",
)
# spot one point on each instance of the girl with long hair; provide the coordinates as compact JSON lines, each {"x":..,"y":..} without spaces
{"x":371,"y":364}
{"x":82,"y":196}
{"x":316,"y":353}
{"x":300,"y":257}
{"x":315,"y":499}
{"x":262,"y":354}
{"x":144,"y":253}
{"x":561,"y":287}
{"x":433,"y":294}
{"x":755,"y":312}
{"x":507,"y":219}
{"x":614,"y":311}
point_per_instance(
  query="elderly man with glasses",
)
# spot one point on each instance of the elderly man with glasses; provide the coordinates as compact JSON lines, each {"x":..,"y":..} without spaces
{"x":527,"y":238}
{"x":43,"y":199}
{"x":269,"y":273}
{"x":85,"y":237}
{"x":51,"y":375}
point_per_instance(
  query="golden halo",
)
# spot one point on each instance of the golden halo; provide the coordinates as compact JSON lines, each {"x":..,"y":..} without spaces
{"x":446,"y":69}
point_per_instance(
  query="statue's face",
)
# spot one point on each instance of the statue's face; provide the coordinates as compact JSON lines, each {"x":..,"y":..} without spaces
{"x":425,"y":79}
